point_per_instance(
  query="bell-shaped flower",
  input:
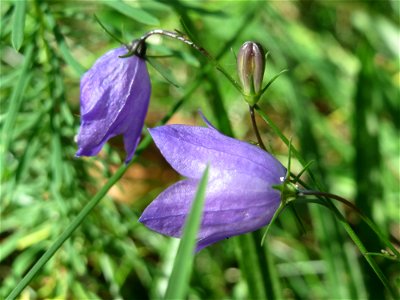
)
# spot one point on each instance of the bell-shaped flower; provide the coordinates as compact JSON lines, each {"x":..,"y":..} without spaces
{"x":115,"y":95}
{"x":239,"y":197}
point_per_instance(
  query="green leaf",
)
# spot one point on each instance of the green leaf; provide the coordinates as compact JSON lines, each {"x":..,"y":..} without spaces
{"x":253,"y":266}
{"x":68,"y":57}
{"x":274,"y":217}
{"x":17,"y":34}
{"x":62,"y":44}
{"x":14,"y":106}
{"x":179,"y":280}
{"x":134,"y":13}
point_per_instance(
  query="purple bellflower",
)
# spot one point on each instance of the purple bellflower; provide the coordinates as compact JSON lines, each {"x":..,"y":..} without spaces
{"x":115,"y":96}
{"x":239,"y":196}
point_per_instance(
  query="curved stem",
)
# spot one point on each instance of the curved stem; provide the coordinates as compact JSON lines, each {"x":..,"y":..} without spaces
{"x":359,"y":212}
{"x":334,"y":209}
{"x":177,"y":36}
{"x":253,"y":122}
{"x":203,"y":51}
{"x":331,"y":196}
{"x":360,"y":246}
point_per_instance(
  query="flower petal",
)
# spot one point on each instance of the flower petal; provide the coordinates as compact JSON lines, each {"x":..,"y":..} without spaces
{"x":189,"y":148}
{"x":234,"y":205}
{"x":167,"y":213}
{"x":115,"y":95}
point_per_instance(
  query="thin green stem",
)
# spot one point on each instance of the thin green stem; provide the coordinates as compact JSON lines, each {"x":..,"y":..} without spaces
{"x":359,"y":212}
{"x":108,"y":31}
{"x":359,"y":245}
{"x":185,"y":40}
{"x":386,"y":255}
{"x":254,"y":123}
{"x":329,"y":204}
{"x":73,"y":226}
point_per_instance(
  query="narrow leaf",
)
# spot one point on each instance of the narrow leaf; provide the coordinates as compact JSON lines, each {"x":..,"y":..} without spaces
{"x":108,"y":31}
{"x":179,"y":280}
{"x":275,"y":216}
{"x":164,"y":72}
{"x":69,"y":58}
{"x":14,"y":106}
{"x":17,"y":34}
{"x":91,"y":204}
{"x":134,"y":13}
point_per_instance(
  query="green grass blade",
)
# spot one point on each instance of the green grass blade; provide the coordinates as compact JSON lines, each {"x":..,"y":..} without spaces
{"x":179,"y":280}
{"x":134,"y":13}
{"x":92,"y":203}
{"x":329,"y":204}
{"x":13,"y":108}
{"x":17,"y":35}
{"x":67,"y":55}
{"x":75,"y":223}
{"x":249,"y":262}
{"x":392,"y":291}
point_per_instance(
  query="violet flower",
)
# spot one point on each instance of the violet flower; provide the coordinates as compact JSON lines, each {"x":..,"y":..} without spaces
{"x":239,"y":197}
{"x":115,"y":95}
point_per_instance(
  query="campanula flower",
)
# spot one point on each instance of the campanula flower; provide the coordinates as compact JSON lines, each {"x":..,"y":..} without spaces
{"x":240,"y":196}
{"x":115,"y":95}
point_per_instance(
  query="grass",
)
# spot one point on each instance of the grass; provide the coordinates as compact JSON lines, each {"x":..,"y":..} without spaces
{"x":338,"y":102}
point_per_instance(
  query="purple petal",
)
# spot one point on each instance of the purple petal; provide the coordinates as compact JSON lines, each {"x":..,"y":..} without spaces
{"x":189,"y":148}
{"x":167,"y":213}
{"x":115,"y":95}
{"x":234,"y":205}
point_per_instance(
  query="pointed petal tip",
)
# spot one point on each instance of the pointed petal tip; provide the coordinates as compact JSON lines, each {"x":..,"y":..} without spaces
{"x":140,"y":220}
{"x":205,"y":120}
{"x":155,"y":131}
{"x":80,"y":152}
{"x":199,"y":247}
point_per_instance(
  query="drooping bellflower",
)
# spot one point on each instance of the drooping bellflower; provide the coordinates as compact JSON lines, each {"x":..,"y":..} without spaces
{"x":115,"y":95}
{"x":240,"y":196}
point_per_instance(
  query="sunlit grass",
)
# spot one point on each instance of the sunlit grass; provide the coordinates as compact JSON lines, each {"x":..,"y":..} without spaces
{"x":338,"y":102}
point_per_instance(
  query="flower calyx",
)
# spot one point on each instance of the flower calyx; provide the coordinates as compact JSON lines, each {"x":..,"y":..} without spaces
{"x":137,"y":47}
{"x":289,"y":191}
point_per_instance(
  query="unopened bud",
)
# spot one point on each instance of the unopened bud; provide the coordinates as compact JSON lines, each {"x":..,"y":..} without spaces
{"x":251,"y":65}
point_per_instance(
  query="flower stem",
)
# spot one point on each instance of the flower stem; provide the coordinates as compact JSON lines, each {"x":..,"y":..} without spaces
{"x":331,"y":196}
{"x":253,"y":122}
{"x":333,"y":208}
{"x":177,"y":36}
{"x":180,"y":37}
{"x":358,"y":211}
{"x":393,"y":292}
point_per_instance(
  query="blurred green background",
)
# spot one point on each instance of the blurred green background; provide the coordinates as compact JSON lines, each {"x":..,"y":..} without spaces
{"x":339,"y":101}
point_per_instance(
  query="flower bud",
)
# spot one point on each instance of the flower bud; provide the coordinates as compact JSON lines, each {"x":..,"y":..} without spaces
{"x":251,"y":65}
